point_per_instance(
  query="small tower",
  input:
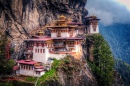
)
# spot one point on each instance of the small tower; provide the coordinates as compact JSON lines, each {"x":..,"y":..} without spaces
{"x":92,"y":24}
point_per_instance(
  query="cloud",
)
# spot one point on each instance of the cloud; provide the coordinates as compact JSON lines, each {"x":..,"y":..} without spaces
{"x":126,"y":3}
{"x":109,"y":11}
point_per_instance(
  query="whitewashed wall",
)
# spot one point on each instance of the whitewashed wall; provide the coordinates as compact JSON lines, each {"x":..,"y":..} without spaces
{"x":53,"y":34}
{"x":40,"y":57}
{"x":92,"y":31}
{"x":58,"y":56}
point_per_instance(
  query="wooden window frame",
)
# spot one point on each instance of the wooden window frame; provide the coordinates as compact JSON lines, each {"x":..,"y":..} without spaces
{"x":38,"y":72}
{"x":40,"y":50}
{"x":35,"y":50}
{"x":43,"y":50}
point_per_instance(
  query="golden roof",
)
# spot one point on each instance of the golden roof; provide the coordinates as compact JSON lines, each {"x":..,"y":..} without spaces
{"x":62,"y":17}
{"x":40,"y":31}
{"x":93,"y":16}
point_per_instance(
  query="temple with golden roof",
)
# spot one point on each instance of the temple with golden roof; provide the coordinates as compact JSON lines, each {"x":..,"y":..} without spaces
{"x":40,"y":48}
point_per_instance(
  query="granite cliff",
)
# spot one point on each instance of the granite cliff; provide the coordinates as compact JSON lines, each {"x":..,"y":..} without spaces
{"x":19,"y":17}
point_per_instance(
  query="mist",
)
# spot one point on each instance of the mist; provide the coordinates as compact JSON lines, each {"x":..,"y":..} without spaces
{"x":109,"y":11}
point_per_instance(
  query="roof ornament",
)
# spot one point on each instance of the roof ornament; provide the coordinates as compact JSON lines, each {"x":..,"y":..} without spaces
{"x":62,"y":17}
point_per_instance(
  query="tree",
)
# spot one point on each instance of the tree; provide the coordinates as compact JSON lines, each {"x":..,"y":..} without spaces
{"x":6,"y":64}
{"x":103,"y":63}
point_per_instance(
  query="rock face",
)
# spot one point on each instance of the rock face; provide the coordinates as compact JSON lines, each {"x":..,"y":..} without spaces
{"x":118,"y":81}
{"x":71,"y":72}
{"x":19,"y":17}
{"x":76,"y":73}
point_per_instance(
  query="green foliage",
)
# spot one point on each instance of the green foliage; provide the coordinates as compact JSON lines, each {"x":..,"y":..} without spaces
{"x":124,"y":70}
{"x":16,"y":83}
{"x":50,"y":76}
{"x":6,"y":84}
{"x":103,"y":63}
{"x":31,"y":79}
{"x":6,"y":65}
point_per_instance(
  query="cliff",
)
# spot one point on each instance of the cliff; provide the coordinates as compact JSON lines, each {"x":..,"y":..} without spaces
{"x":101,"y":61}
{"x":69,"y":72}
{"x":65,"y":72}
{"x":19,"y":17}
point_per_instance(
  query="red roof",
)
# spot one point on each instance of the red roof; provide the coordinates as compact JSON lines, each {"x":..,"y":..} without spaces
{"x":40,"y":39}
{"x":15,"y":67}
{"x":40,"y":70}
{"x":26,"y":62}
{"x":39,"y":67}
{"x":45,"y":36}
{"x":69,"y":38}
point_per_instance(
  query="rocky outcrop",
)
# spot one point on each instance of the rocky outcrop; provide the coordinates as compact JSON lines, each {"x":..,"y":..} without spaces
{"x":71,"y":72}
{"x":76,"y":73}
{"x":118,"y":81}
{"x":19,"y":17}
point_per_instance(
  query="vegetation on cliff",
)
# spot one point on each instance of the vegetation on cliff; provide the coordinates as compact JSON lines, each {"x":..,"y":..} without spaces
{"x":124,"y":70}
{"x":6,"y":64}
{"x":100,"y":59}
{"x":68,"y":72}
{"x":65,"y":72}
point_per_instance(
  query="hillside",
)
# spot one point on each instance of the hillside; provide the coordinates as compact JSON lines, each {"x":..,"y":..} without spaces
{"x":118,"y":37}
{"x":124,"y":70}
{"x":101,"y":61}
{"x":64,"y":72}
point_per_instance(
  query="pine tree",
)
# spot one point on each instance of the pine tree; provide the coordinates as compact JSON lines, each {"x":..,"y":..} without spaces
{"x":103,"y":63}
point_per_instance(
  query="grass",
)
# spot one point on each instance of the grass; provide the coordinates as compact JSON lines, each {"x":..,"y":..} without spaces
{"x":31,"y":79}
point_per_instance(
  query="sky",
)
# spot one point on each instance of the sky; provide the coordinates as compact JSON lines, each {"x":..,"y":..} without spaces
{"x":110,"y":11}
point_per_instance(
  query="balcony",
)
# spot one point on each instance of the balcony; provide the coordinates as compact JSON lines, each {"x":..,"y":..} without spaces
{"x":70,"y":45}
{"x":28,"y":53}
{"x":59,"y":46}
{"x":61,"y":52}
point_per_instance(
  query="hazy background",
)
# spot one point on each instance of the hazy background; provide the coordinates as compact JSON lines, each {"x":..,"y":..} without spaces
{"x":110,"y":11}
{"x":114,"y":24}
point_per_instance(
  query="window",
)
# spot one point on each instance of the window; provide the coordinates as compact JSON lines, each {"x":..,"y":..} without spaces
{"x":37,"y":72}
{"x":27,"y":67}
{"x":71,"y":33}
{"x":41,"y":51}
{"x":22,"y":66}
{"x":71,"y":44}
{"x":71,"y":49}
{"x":35,"y":50}
{"x":38,"y":50}
{"x":94,"y":29}
{"x":58,"y":33}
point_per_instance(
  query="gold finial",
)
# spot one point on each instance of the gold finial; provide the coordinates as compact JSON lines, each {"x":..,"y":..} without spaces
{"x":40,"y":32}
{"x":62,"y":17}
{"x":93,"y":16}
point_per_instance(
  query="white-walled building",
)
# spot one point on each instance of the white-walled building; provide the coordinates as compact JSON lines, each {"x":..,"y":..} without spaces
{"x":93,"y":27}
{"x":63,"y":40}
